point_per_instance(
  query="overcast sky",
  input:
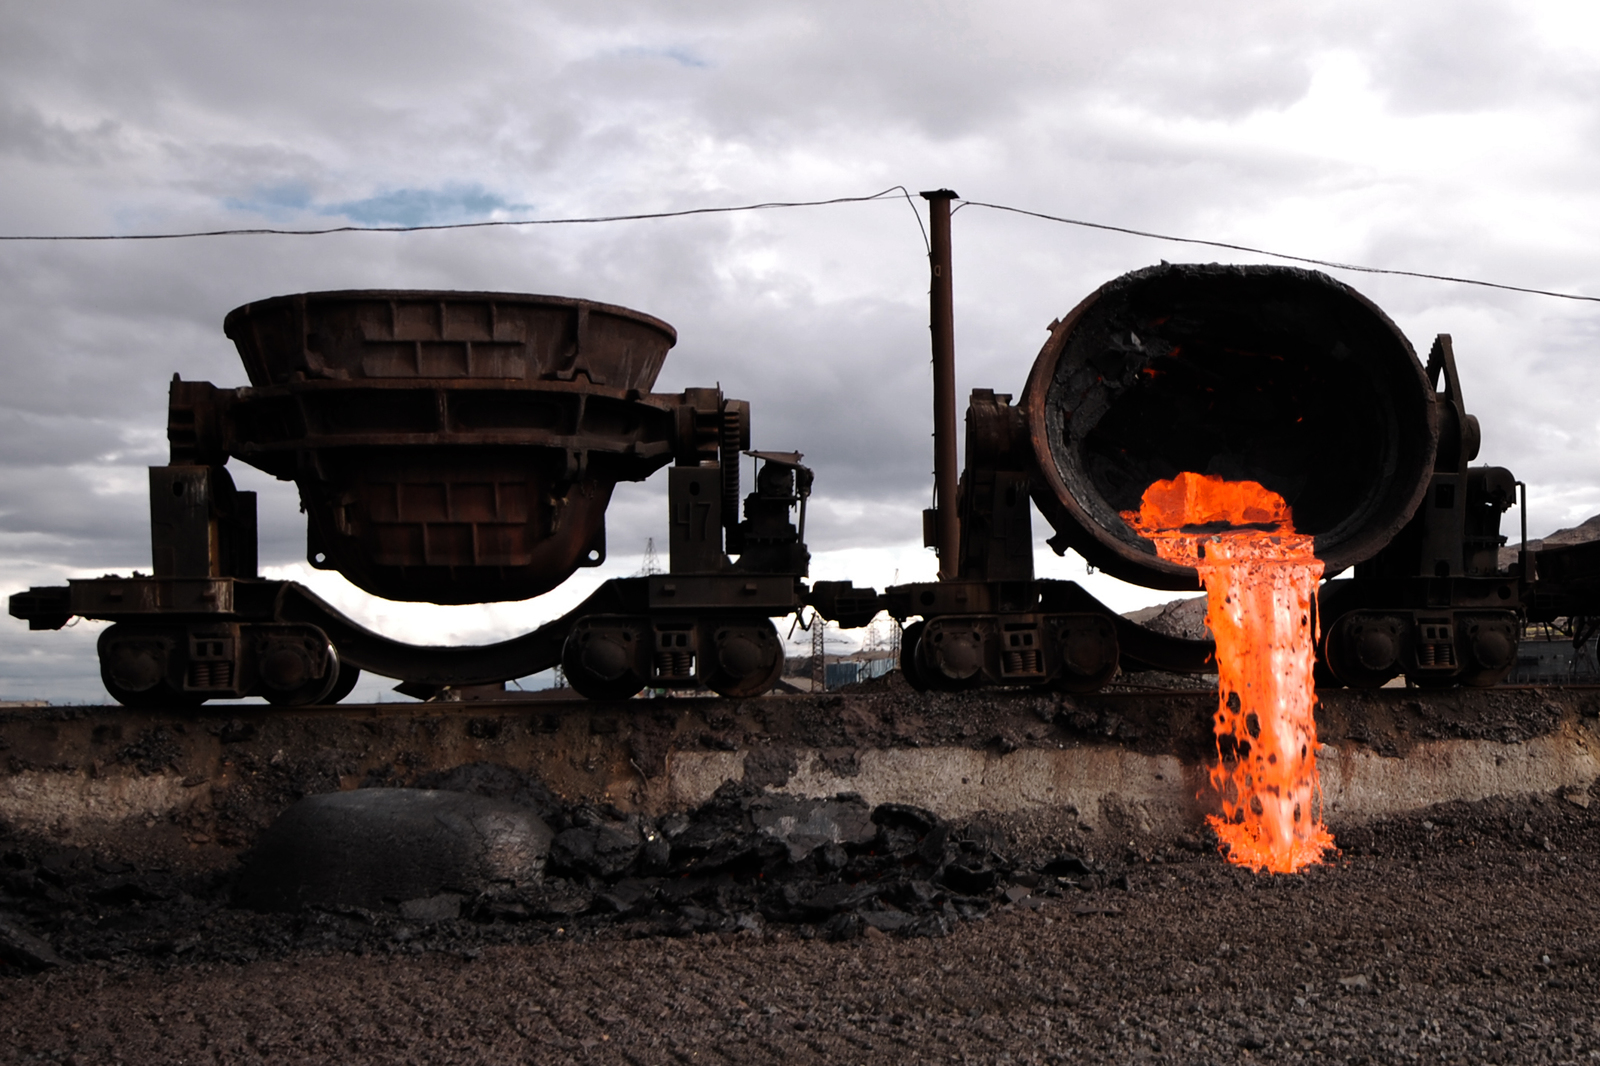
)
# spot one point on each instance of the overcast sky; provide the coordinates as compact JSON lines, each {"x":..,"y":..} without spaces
{"x":1457,"y":138}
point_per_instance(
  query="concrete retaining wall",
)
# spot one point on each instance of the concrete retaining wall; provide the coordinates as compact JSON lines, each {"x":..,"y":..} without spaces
{"x":1136,"y":762}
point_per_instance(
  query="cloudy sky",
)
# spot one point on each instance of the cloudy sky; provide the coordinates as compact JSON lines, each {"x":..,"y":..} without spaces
{"x":1457,"y":138}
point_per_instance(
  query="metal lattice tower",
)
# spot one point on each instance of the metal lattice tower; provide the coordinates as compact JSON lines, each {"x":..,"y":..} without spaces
{"x":819,"y":654}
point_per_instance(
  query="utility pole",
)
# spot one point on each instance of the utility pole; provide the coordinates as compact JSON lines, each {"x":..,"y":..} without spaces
{"x":819,"y":653}
{"x":942,"y":322}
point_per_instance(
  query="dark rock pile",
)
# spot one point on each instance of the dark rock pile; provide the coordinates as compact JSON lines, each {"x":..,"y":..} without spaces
{"x":1184,"y":618}
{"x":747,"y":861}
{"x":833,"y":868}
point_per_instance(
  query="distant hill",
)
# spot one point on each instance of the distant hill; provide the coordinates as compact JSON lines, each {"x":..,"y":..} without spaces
{"x":1579,"y":534}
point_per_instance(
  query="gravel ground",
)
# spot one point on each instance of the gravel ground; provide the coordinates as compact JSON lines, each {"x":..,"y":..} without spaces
{"x":1466,"y":935}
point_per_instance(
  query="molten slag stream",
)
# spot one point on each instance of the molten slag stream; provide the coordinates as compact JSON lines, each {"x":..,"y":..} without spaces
{"x":1261,"y":579}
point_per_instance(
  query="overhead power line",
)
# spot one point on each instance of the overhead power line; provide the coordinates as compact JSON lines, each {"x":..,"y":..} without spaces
{"x":1279,"y":255}
{"x":492,"y":223}
{"x":893,"y":192}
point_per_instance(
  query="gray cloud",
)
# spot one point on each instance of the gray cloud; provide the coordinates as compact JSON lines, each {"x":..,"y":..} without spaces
{"x":25,"y":132}
{"x":1461,"y":57}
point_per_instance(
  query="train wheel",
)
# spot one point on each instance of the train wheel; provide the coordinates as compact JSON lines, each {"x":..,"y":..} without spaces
{"x":1364,"y":650}
{"x":1484,"y":678}
{"x":349,"y":674}
{"x":909,"y":638}
{"x":1089,"y":654}
{"x":601,"y":658}
{"x":135,"y":668}
{"x":1491,"y":649}
{"x":1323,"y":677}
{"x":745,"y":658}
{"x":289,"y":677}
{"x":950,"y":654}
{"x":159,"y":695}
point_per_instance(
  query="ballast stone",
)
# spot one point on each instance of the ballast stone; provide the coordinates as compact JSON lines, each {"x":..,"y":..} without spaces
{"x":380,"y":848}
{"x":20,"y":947}
{"x":804,"y":824}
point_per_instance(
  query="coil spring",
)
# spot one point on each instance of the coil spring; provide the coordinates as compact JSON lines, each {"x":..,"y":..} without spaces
{"x":1436,"y":655}
{"x":210,"y":675}
{"x":674,"y":664}
{"x":1023,"y":661}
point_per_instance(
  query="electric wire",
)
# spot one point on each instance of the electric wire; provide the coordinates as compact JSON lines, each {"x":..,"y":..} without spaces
{"x":487,"y":224}
{"x":1332,"y":264}
{"x":926,"y":243}
{"x":894,"y":191}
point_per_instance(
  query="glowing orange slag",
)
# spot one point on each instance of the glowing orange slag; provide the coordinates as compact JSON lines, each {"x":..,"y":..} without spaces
{"x":1260,"y":578}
